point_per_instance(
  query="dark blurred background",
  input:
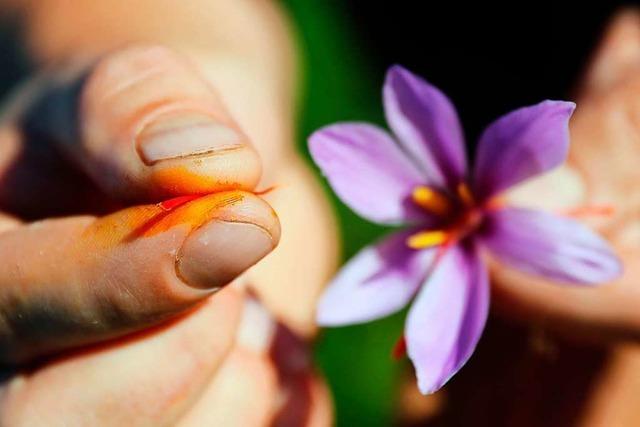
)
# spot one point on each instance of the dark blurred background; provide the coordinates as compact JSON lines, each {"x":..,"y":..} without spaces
{"x":489,"y":59}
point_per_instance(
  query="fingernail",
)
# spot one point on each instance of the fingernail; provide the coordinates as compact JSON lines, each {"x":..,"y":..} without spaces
{"x":216,"y":253}
{"x":184,"y":134}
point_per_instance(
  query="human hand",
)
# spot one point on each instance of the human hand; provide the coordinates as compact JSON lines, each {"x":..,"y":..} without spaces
{"x":599,"y":178}
{"x":569,"y":354}
{"x":119,"y":303}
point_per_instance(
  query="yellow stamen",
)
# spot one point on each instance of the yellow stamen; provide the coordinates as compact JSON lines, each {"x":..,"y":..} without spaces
{"x":431,"y":200}
{"x":465,"y":194}
{"x":427,"y":239}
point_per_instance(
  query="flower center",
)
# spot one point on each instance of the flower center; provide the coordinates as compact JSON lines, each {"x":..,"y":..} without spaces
{"x":460,"y":214}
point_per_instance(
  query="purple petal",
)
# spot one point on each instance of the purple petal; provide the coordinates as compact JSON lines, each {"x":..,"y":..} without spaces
{"x":378,"y":281}
{"x":447,"y":318}
{"x":426,"y":123}
{"x":368,"y":171}
{"x":520,"y":145}
{"x":550,"y":246}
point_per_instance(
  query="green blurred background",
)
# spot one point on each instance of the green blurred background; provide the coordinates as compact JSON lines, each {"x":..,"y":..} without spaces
{"x":339,"y":85}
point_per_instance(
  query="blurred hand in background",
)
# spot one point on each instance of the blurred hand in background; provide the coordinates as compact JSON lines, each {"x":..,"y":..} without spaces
{"x":571,"y":357}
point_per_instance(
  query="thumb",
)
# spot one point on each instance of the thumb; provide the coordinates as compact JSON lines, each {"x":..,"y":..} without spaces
{"x":143,"y":124}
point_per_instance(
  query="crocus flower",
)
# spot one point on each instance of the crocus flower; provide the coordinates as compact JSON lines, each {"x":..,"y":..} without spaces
{"x":420,"y":178}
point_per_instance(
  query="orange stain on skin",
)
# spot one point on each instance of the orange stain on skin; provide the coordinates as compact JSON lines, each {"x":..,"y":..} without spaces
{"x":150,"y":220}
{"x":112,"y":229}
{"x":197,"y":212}
{"x":181,"y":180}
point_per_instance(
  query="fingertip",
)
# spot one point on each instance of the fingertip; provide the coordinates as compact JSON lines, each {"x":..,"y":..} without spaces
{"x":219,"y":251}
{"x":235,"y":238}
{"x":183,"y":247}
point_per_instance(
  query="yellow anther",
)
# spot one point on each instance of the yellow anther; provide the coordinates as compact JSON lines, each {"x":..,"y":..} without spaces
{"x":465,"y":194}
{"x":431,"y":200}
{"x":427,"y":239}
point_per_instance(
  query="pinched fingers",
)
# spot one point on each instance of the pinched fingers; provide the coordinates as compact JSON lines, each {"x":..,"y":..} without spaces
{"x":79,"y":280}
{"x":138,"y":124}
{"x":143,"y":124}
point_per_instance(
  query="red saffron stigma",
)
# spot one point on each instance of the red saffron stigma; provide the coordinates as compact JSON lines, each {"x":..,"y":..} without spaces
{"x":596,"y":210}
{"x":171,"y":204}
{"x":400,"y":349}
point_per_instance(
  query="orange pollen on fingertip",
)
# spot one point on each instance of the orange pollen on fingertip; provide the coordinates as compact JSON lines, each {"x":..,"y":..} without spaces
{"x":431,"y":200}
{"x":181,"y":180}
{"x":113,"y":229}
{"x":192,"y":214}
{"x":148,"y":220}
{"x":464,"y":193}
